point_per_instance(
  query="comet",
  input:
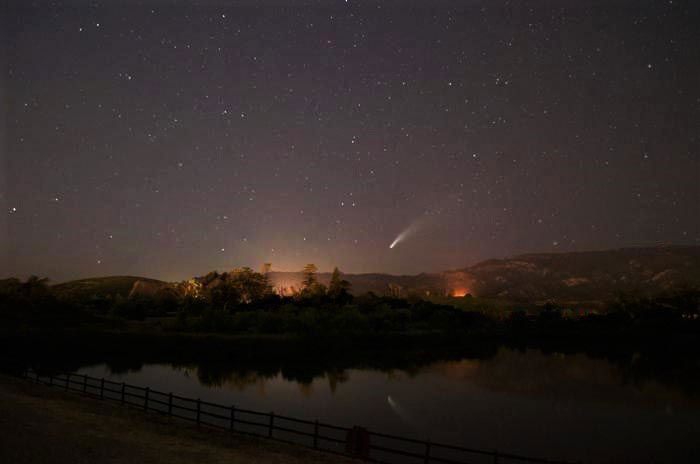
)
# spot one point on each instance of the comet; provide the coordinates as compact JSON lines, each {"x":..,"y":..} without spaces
{"x":410,"y":230}
{"x":397,"y":239}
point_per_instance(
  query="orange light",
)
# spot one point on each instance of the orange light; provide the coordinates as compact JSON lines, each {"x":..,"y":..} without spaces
{"x":460,"y":292}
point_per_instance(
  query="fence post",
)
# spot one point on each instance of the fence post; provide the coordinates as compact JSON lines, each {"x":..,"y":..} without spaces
{"x":145,"y":399}
{"x":272,"y":424}
{"x":123,"y":392}
{"x":170,"y":403}
{"x":233,"y":417}
{"x":427,"y":452}
{"x":316,"y":434}
{"x":495,"y":457}
{"x":84,"y":383}
{"x":199,"y":409}
{"x":67,"y":381}
{"x":102,"y":388}
{"x":50,"y":380}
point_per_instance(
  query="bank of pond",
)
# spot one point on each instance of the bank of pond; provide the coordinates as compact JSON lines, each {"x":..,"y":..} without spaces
{"x":583,"y":400}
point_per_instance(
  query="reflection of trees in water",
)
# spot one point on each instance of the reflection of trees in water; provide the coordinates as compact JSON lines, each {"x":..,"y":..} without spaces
{"x":124,"y":367}
{"x":241,"y":363}
{"x":220,"y":376}
{"x":336,"y":377}
{"x":530,"y":372}
{"x":306,"y":389}
{"x":225,"y":376}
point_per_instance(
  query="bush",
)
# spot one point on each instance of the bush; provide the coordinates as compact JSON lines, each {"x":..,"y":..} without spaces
{"x":130,"y":308}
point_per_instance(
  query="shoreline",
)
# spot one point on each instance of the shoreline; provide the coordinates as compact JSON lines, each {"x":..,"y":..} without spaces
{"x":42,"y":424}
{"x":664,"y":357}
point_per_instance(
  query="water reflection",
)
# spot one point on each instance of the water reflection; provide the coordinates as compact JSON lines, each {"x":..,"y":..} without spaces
{"x":596,"y":402}
{"x":532,"y":373}
{"x":529,"y":373}
{"x":571,"y":406}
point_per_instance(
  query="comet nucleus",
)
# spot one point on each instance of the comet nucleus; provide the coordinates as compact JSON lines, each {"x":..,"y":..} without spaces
{"x":408,"y":231}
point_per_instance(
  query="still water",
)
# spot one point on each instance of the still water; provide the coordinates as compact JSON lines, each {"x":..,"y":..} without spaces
{"x":553,"y":405}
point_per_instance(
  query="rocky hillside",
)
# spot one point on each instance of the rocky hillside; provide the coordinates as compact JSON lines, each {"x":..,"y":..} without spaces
{"x":593,"y":275}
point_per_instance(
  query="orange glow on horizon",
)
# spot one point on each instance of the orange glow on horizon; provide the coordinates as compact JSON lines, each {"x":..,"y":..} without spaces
{"x":460,"y":292}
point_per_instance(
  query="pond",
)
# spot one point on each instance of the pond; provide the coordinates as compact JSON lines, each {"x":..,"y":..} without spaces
{"x":560,"y":406}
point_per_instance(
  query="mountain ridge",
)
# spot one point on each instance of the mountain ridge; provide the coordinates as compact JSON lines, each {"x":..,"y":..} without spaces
{"x":567,"y":276}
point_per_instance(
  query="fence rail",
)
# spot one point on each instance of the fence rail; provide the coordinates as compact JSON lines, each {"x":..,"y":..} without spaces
{"x":354,"y":442}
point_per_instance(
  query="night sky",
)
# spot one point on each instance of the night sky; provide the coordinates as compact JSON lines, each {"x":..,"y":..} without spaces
{"x":167,"y":140}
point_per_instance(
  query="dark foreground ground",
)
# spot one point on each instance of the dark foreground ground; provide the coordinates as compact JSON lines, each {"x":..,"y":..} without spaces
{"x":39,"y":424}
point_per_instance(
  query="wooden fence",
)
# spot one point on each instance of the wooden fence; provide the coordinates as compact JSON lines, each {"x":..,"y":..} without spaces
{"x":355,"y":442}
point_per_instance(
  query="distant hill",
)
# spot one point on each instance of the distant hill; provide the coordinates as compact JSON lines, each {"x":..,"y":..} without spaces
{"x":580,"y":276}
{"x":101,"y":287}
{"x":381,"y":284}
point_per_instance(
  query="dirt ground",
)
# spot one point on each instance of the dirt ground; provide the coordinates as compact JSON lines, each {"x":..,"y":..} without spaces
{"x":39,"y":424}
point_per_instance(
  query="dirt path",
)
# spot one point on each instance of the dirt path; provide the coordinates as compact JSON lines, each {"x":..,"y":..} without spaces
{"x":39,"y":424}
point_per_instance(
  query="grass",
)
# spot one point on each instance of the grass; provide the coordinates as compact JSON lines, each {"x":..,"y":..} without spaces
{"x":41,"y":424}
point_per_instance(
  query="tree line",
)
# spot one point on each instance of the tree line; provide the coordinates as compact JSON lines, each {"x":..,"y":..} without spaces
{"x":243,"y":301}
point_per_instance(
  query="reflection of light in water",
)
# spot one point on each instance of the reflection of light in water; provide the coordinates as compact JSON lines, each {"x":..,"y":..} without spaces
{"x":398,"y":409}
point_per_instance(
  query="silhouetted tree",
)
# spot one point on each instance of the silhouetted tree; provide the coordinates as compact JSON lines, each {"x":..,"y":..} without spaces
{"x":251,"y":286}
{"x":338,"y":289}
{"x":35,"y":287}
{"x":240,"y":286}
{"x":310,"y":278}
{"x":223,"y":296}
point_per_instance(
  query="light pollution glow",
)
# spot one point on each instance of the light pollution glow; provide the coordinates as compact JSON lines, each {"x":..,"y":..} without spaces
{"x":460,"y":292}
